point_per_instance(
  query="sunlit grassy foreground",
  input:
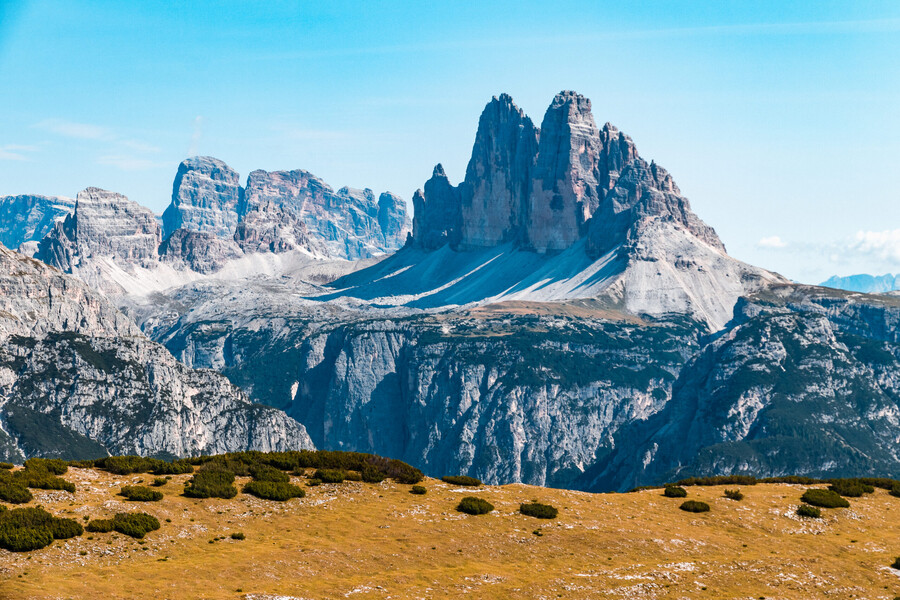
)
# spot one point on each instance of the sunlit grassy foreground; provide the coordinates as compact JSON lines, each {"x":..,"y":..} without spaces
{"x":377,"y":540}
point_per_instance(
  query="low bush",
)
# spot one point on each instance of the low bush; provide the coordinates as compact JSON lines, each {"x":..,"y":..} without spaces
{"x":895,"y":491}
{"x":274,"y":490}
{"x":14,"y":492}
{"x":42,"y":479}
{"x":6,"y":465}
{"x":100,"y":526}
{"x":371,"y":474}
{"x":795,"y":479}
{"x":805,"y":510}
{"x":211,"y":484}
{"x":136,"y":525}
{"x":674,"y":491}
{"x":734,"y":495}
{"x":126,"y":465}
{"x":824,"y":498}
{"x":694,"y":506}
{"x":313,"y":482}
{"x":267,"y":473}
{"x":238,"y":535}
{"x":159,"y":482}
{"x":719,"y":480}
{"x":536,"y":509}
{"x":353,"y":476}
{"x":896,"y":564}
{"x":461,"y":480}
{"x":56,"y":466}
{"x":139,"y":493}
{"x":474,"y":506}
{"x":851,"y":488}
{"x":24,"y":529}
{"x":330,"y":475}
{"x":418,"y":490}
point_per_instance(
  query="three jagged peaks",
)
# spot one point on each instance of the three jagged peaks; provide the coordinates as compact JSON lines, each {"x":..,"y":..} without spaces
{"x":546,"y":188}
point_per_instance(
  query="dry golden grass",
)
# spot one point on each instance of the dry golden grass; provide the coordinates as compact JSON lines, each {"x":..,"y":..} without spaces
{"x":356,"y":540}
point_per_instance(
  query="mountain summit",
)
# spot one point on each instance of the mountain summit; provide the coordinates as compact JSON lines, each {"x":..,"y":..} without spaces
{"x":567,"y":211}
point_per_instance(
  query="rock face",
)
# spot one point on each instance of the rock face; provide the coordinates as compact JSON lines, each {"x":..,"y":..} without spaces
{"x":498,"y":177}
{"x":205,"y":198}
{"x":104,"y":224}
{"x":804,"y":382}
{"x":29,"y":218}
{"x":201,"y":252}
{"x":78,"y":379}
{"x":437,"y":220}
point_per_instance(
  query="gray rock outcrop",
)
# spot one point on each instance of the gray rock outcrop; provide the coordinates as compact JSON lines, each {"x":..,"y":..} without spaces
{"x":206,"y":195}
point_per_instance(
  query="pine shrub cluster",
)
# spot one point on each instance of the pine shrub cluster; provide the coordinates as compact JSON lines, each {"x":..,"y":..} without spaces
{"x":824,"y":498}
{"x":274,"y":490}
{"x":464,"y":480}
{"x":674,"y":491}
{"x":418,"y":490}
{"x":805,"y":510}
{"x":851,"y":488}
{"x":734,"y":495}
{"x":474,"y":506}
{"x":536,"y":509}
{"x":135,"y":524}
{"x":330,"y":475}
{"x":209,"y":483}
{"x":24,"y":529}
{"x":694,"y":506}
{"x":139,"y":493}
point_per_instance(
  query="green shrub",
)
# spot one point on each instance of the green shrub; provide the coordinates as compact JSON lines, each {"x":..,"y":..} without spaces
{"x":139,"y":493}
{"x":159,"y":482}
{"x":461,"y":480}
{"x":896,"y":564}
{"x":267,"y":473}
{"x":100,"y":526}
{"x":14,"y":493}
{"x":795,"y":479}
{"x":805,"y":510}
{"x":851,"y":488}
{"x":55,"y":466}
{"x":694,"y":506}
{"x":238,"y":535}
{"x":330,"y":475}
{"x":42,"y":480}
{"x":824,"y":498}
{"x":371,"y":474}
{"x":536,"y":509}
{"x":24,"y":529}
{"x":136,"y":525}
{"x":674,"y":491}
{"x":313,"y":482}
{"x":6,"y":465}
{"x":353,"y":476}
{"x":734,"y":495}
{"x":419,"y":490}
{"x":274,"y":490}
{"x":64,"y":529}
{"x":474,"y":506}
{"x":719,"y":480}
{"x":211,"y":484}
{"x":895,"y":491}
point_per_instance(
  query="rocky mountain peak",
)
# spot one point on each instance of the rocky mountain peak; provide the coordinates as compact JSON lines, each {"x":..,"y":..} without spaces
{"x":436,"y":212}
{"x":498,"y":177}
{"x":104,"y":224}
{"x":206,"y":194}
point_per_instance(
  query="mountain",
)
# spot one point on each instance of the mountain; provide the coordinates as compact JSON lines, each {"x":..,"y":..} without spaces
{"x":78,"y":380}
{"x":867,"y":284}
{"x":560,"y":317}
{"x":29,"y":218}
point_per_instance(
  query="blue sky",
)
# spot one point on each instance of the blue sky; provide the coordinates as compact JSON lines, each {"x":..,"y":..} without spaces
{"x":779,"y":120}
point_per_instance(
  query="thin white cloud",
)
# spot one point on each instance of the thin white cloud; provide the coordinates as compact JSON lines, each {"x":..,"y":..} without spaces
{"x":129,"y":163}
{"x":884,"y":245}
{"x":16,"y":151}
{"x":139,"y":146}
{"x":771,"y":242}
{"x":81,"y":131}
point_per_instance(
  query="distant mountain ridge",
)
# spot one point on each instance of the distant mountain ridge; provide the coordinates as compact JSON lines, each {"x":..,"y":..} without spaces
{"x":867,"y":284}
